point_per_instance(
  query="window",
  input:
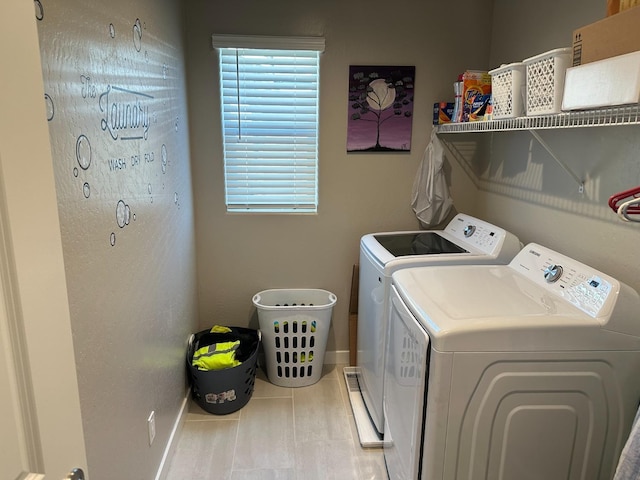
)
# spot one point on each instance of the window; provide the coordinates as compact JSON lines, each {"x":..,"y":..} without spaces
{"x":269,"y":100}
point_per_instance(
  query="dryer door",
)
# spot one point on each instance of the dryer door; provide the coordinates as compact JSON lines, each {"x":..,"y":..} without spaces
{"x":405,"y":391}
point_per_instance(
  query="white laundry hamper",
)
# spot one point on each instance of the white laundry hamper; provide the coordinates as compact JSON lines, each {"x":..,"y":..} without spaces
{"x":295,"y":326}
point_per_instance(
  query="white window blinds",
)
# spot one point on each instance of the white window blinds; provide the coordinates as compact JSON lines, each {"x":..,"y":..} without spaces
{"x":269,"y":102}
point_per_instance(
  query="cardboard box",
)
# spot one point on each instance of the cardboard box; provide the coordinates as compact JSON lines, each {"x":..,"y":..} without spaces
{"x":609,"y":82}
{"x":624,"y":4}
{"x":613,"y":36}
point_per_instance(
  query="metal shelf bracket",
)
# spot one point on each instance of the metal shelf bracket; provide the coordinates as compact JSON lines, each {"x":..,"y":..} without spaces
{"x":558,"y":161}
{"x":611,"y":116}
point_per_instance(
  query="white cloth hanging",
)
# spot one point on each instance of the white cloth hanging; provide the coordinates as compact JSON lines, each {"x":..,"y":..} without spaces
{"x":629,"y":463}
{"x":430,"y":198}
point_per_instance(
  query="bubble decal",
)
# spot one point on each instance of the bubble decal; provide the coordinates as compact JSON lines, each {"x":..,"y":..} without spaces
{"x":83,"y":152}
{"x":112,"y":239}
{"x":39,"y":10}
{"x":50,"y":108}
{"x":123,"y":214}
{"x":164,"y":158}
{"x":86,"y":190}
{"x":137,"y":35}
{"x":112,"y":30}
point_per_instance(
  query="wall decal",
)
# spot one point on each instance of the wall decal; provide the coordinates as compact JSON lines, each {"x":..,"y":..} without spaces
{"x":123,"y":218}
{"x":123,"y":214}
{"x":49,"y":106}
{"x":89,"y":89}
{"x":125,"y":110}
{"x":137,"y":35}
{"x":164,"y":158}
{"x":39,"y":10}
{"x":109,"y":104}
{"x":83,"y":152}
{"x":380,"y":108}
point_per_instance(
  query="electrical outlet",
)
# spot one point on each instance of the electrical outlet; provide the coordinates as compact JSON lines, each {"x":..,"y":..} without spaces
{"x":151,"y":423}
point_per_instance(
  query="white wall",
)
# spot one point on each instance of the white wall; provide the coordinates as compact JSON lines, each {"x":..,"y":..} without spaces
{"x":116,"y":102}
{"x":523,"y":188}
{"x":239,"y":255}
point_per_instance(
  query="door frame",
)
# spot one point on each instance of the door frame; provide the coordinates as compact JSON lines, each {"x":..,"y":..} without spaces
{"x":33,"y":275}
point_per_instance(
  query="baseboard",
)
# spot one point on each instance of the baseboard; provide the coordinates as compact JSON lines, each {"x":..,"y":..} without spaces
{"x":336,"y":357}
{"x":173,"y":438}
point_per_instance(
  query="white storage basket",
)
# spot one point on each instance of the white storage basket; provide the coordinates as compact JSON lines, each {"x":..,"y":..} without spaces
{"x":295,"y":326}
{"x":545,"y":81}
{"x":508,"y":90}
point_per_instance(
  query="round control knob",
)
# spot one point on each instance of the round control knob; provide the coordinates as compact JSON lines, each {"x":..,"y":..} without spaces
{"x":552,"y":273}
{"x":469,"y":230}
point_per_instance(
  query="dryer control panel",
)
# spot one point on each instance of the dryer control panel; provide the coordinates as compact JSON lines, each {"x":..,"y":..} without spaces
{"x":586,"y":288}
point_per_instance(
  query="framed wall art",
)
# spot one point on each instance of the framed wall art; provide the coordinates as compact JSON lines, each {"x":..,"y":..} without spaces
{"x":380,"y":108}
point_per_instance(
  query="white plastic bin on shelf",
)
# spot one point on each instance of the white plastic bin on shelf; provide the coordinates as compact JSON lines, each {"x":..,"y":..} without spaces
{"x":507,"y":90}
{"x":295,"y":327}
{"x":545,"y":81}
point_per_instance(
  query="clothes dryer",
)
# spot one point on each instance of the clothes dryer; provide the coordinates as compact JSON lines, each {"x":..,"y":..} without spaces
{"x":465,"y":240}
{"x":526,"y":370}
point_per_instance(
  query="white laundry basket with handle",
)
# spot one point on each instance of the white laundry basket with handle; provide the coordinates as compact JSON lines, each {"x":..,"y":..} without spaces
{"x":295,"y":326}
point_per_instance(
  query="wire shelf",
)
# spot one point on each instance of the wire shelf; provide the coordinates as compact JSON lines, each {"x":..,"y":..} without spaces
{"x":624,"y":115}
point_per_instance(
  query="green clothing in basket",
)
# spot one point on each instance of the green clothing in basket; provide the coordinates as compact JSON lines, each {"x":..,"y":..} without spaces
{"x":217,"y":356}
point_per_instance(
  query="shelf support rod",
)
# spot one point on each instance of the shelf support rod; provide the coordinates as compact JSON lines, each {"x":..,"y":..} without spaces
{"x":558,"y":161}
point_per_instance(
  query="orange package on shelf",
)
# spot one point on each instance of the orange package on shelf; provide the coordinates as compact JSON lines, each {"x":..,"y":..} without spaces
{"x":474,"y":83}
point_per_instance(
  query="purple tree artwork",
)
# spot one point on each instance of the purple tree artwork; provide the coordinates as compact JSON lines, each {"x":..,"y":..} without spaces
{"x":380,"y":108}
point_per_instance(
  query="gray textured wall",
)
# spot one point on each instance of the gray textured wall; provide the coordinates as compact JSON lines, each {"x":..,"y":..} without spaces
{"x":116,"y":102}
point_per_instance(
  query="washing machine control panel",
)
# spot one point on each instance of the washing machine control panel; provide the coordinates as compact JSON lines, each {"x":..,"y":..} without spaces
{"x":483,"y":236}
{"x":591,"y":291}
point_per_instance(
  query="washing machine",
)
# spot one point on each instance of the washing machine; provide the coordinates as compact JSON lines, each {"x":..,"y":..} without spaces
{"x":464,"y":240}
{"x":523,"y":371}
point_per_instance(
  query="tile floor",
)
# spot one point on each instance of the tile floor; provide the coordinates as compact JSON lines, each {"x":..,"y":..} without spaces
{"x":280,"y":434}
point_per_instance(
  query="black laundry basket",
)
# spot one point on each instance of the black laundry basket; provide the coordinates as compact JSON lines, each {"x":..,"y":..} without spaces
{"x":224,"y":391}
